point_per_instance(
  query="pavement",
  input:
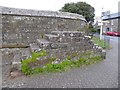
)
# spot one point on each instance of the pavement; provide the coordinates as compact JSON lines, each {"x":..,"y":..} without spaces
{"x":100,"y":75}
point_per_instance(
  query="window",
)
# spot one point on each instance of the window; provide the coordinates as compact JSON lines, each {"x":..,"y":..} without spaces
{"x":108,"y":29}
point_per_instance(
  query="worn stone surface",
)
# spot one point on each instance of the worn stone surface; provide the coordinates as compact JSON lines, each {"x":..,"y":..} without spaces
{"x":34,"y":47}
{"x":43,"y":43}
{"x":16,"y":63}
{"x":40,"y":62}
{"x":26,"y":53}
{"x":16,"y":74}
{"x":104,"y":54}
{"x":52,"y":38}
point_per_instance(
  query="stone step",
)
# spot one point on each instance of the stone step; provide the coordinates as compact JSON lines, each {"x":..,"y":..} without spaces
{"x":68,"y":33}
{"x":59,"y":45}
{"x":52,"y":38}
{"x":51,"y":35}
{"x":43,"y":43}
{"x":40,"y":62}
{"x":34,"y":47}
{"x":16,"y":63}
{"x":26,"y":53}
{"x":69,"y":45}
{"x":63,"y":54}
{"x":72,"y":46}
{"x":70,"y":39}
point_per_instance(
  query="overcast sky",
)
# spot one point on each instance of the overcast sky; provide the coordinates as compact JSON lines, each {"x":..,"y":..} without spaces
{"x":55,"y":5}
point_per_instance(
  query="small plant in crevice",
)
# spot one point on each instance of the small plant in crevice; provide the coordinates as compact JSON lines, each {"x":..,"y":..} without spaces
{"x":42,"y":36}
{"x":52,"y":58}
{"x":75,"y":54}
{"x":68,"y":57}
{"x":25,"y":63}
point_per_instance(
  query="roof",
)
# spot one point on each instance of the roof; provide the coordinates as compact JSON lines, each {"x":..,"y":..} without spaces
{"x":112,"y":16}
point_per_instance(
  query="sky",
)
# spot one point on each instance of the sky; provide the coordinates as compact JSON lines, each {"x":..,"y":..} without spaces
{"x":55,"y":5}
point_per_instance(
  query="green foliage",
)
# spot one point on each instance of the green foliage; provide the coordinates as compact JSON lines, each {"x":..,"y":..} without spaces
{"x":25,"y":63}
{"x":75,"y":54}
{"x":53,"y":59}
{"x":42,"y":35}
{"x":82,"y":60}
{"x":37,"y":70}
{"x":81,"y":8}
{"x":68,"y":57}
{"x":63,"y":66}
{"x":25,"y":68}
{"x":36,"y":55}
{"x":54,"y":67}
{"x":100,"y":43}
{"x":93,"y":30}
{"x":66,"y":63}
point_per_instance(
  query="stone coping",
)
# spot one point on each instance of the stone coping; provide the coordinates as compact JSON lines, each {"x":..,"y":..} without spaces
{"x":31,"y":12}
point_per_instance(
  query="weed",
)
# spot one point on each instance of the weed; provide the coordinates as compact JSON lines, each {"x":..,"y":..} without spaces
{"x":25,"y":63}
{"x":68,"y":57}
{"x":53,"y":59}
{"x":100,"y":43}
{"x":37,"y":70}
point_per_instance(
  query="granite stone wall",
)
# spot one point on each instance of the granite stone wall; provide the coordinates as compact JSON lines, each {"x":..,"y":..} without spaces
{"x":21,"y":26}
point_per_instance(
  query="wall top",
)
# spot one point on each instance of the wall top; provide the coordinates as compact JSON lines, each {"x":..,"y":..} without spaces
{"x":29,"y":12}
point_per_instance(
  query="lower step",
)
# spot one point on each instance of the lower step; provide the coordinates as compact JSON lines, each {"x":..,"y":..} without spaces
{"x":16,"y":64}
{"x":26,"y":53}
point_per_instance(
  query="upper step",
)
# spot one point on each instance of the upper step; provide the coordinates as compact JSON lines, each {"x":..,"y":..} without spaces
{"x":52,"y":37}
{"x":68,"y":33}
{"x":43,"y":43}
{"x":34,"y":47}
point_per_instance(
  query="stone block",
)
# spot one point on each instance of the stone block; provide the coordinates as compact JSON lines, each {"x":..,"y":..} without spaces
{"x":59,"y":45}
{"x":42,"y":58}
{"x":16,"y":64}
{"x":43,"y":43}
{"x":68,"y":33}
{"x":16,"y":74}
{"x":26,"y":53}
{"x":100,"y":49}
{"x":34,"y":47}
{"x":40,"y":62}
{"x":104,"y":54}
{"x":52,"y":38}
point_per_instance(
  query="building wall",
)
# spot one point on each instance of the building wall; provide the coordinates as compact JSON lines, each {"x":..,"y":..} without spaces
{"x":118,"y":24}
{"x":25,"y":26}
{"x":112,"y":25}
